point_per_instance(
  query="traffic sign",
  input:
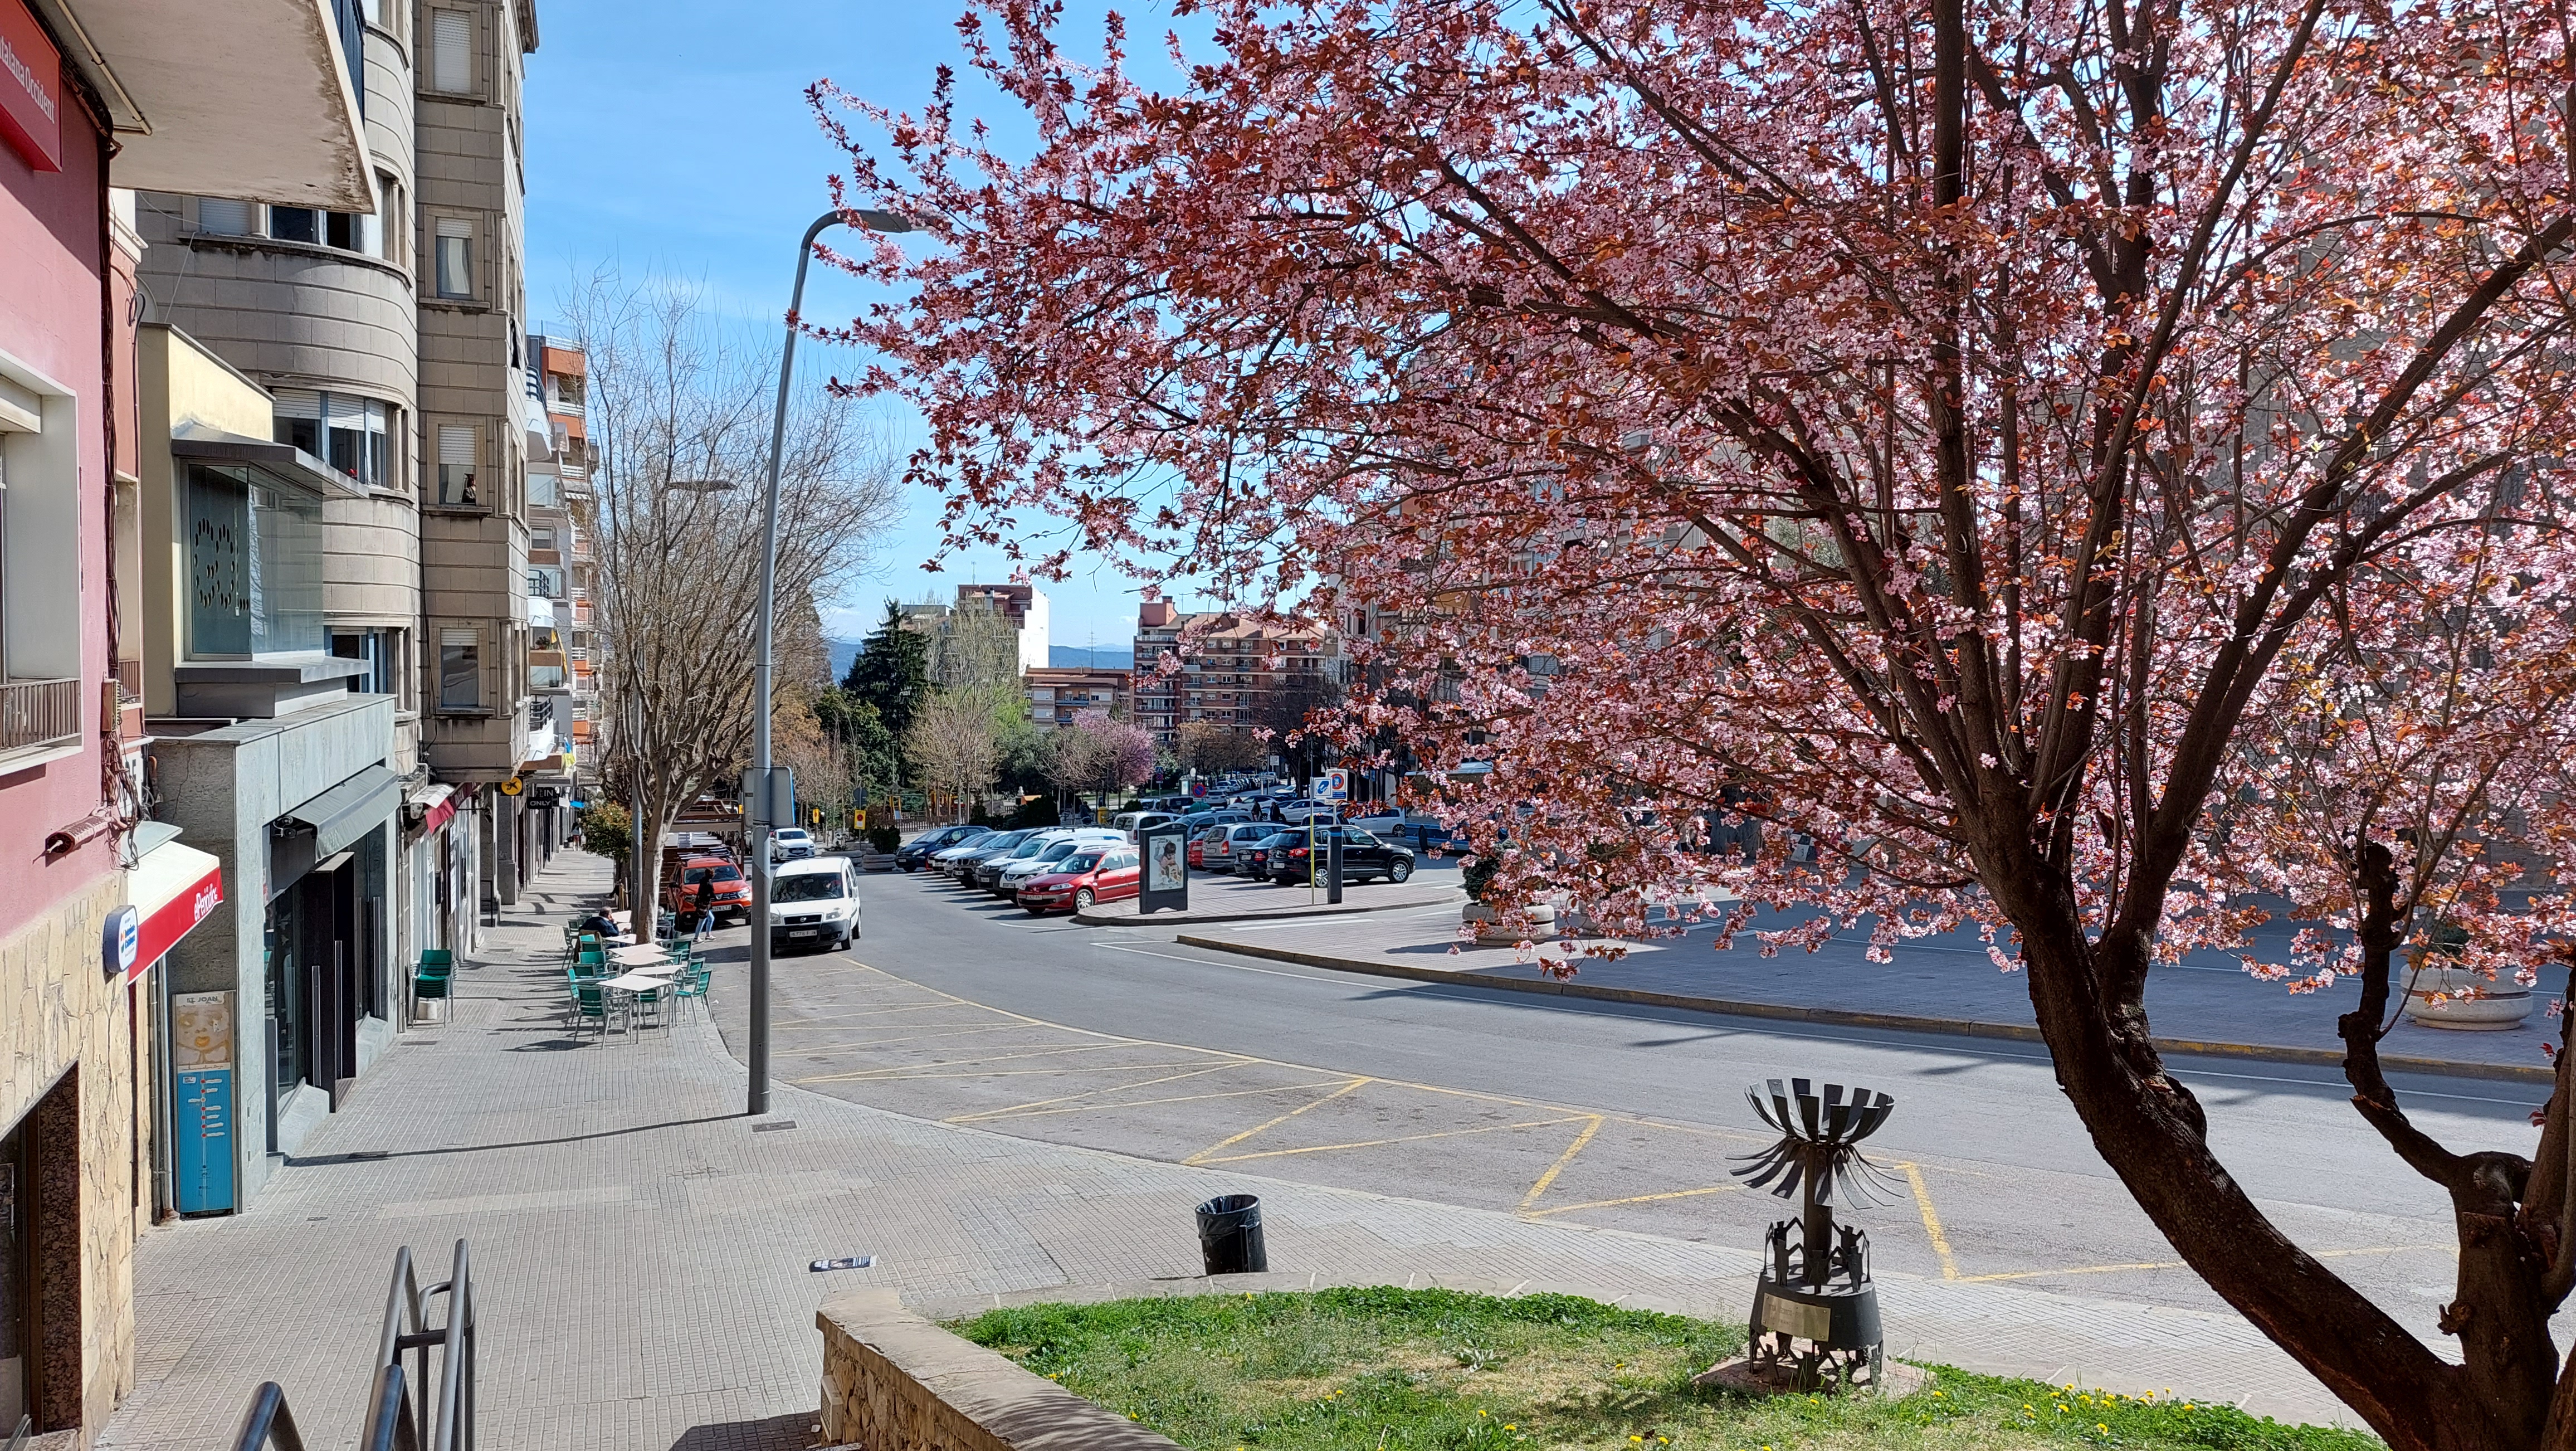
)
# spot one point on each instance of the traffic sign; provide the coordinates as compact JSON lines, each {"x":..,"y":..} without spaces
{"x":1336,"y":785}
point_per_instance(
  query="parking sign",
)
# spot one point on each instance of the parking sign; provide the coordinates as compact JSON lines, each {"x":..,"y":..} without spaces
{"x":1337,"y":785}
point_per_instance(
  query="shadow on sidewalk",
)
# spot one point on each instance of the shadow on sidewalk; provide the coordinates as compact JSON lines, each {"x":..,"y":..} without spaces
{"x":378,"y":1156}
{"x":791,"y":1432}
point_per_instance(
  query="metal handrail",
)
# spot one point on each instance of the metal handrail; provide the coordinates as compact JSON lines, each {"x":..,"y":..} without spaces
{"x":26,"y":1428}
{"x":406,"y":1328}
{"x":268,"y":1422}
{"x":390,"y":1426}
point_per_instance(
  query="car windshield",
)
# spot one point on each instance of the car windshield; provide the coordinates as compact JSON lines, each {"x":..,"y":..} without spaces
{"x":695,"y":875}
{"x":1004,"y":841}
{"x":810,"y":887}
{"x":1059,"y":851}
{"x":1080,"y":861}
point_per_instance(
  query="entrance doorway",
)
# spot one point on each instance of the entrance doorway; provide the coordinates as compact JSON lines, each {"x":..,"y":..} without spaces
{"x":40,"y":1330}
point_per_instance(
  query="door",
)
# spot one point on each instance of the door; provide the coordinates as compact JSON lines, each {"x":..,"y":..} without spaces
{"x":1119,"y":877}
{"x":17,"y":1279}
{"x":1363,"y":855}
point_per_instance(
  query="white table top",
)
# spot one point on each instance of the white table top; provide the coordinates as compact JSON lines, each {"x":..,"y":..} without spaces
{"x":638,"y":981}
{"x":639,"y":954}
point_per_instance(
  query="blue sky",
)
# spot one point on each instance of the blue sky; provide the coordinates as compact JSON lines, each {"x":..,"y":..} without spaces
{"x":674,"y":138}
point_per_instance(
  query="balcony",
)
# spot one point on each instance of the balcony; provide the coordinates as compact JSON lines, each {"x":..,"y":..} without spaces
{"x":39,"y":715}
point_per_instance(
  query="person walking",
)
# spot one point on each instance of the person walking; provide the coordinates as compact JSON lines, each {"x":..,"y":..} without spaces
{"x":706,"y":907}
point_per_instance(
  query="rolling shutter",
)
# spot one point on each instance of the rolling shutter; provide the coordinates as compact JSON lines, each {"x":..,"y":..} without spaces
{"x":451,"y":46}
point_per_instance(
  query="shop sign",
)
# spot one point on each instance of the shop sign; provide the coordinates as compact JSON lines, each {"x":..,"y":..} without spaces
{"x":31,"y":89}
{"x":120,"y":940}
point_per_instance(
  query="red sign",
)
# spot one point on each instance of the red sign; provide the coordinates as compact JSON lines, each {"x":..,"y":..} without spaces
{"x":31,"y":89}
{"x":175,"y":919}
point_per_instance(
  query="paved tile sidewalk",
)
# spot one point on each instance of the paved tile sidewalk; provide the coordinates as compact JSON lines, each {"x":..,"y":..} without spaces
{"x":1943,"y":978}
{"x":641,"y":1246}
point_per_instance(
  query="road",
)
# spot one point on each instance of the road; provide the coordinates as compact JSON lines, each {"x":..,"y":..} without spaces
{"x":957,"y":1008}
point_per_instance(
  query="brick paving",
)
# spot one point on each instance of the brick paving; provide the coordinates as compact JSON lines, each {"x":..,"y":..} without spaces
{"x":641,"y":1247}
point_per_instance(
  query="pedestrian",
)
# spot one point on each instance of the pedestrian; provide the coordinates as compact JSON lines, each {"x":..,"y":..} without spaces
{"x":706,"y":906}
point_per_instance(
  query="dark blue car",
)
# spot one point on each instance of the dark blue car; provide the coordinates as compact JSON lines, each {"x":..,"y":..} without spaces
{"x":918,"y":850}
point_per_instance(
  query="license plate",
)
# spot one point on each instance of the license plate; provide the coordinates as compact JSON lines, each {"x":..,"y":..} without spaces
{"x":802,"y":932}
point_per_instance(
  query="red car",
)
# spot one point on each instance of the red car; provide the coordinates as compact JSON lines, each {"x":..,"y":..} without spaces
{"x":732,"y":893}
{"x":1099,"y":874}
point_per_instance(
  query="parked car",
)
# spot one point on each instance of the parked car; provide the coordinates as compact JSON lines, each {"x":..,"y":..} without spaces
{"x":1252,"y":855}
{"x":1143,"y":820}
{"x":732,"y":892}
{"x":814,"y":902}
{"x":790,"y":844}
{"x":1037,"y":864}
{"x":962,"y":861}
{"x":1216,"y":847}
{"x":945,"y":862}
{"x":988,"y":872}
{"x":1094,"y":874}
{"x":1364,"y":857}
{"x":916,"y":853}
{"x":1295,"y":812}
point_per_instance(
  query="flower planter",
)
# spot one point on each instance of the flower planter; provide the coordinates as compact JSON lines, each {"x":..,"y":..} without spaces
{"x":2498,"y":1006}
{"x":1539,"y":927}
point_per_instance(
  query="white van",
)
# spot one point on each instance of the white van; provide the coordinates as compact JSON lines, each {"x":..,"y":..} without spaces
{"x":814,"y":902}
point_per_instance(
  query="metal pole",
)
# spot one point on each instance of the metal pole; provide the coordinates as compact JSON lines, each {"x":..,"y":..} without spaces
{"x":758,"y":843}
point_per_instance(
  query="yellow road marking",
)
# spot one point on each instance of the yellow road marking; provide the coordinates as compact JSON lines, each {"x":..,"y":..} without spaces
{"x":1108,"y":1105}
{"x":1631,"y":1199}
{"x":1931,"y":1221}
{"x":1202,"y":1154}
{"x":1572,"y":1149}
{"x":968,"y":1118}
{"x":1399,"y":1139}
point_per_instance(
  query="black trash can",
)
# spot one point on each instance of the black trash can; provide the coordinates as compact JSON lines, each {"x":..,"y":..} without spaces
{"x":1230,"y":1235}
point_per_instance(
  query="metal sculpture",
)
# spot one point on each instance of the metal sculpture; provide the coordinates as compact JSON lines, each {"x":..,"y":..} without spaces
{"x":1815,"y":1311}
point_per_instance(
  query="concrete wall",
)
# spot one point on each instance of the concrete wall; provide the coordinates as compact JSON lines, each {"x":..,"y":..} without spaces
{"x":893,"y":1381}
{"x":221,"y":789}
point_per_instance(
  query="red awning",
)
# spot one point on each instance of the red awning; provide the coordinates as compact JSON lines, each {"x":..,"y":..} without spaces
{"x":441,"y":810}
{"x":174,"y":888}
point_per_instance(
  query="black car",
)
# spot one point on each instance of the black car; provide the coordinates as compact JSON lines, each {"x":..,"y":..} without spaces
{"x":1252,"y":858}
{"x":918,"y":850}
{"x":1363,"y":856}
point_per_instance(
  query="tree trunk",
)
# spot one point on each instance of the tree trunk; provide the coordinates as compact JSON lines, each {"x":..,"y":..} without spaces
{"x":2152,"y":1133}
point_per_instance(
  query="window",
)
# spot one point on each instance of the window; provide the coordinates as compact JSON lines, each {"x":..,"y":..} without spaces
{"x":347,"y":432}
{"x":451,"y":51}
{"x":389,"y":219}
{"x":546,"y":581}
{"x":294,"y":224}
{"x":456,"y":454}
{"x":455,"y":257}
{"x":541,"y":539}
{"x":254,"y":566}
{"x":223,"y":218}
{"x":460,"y":670}
{"x":542,"y":493}
{"x":382,"y":650}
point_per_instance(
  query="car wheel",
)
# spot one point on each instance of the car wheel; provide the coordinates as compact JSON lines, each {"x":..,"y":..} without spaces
{"x":1083,"y":899}
{"x":1399,"y":871}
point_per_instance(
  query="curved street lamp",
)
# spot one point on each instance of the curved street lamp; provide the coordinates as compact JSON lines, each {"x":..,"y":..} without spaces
{"x":757,"y":810}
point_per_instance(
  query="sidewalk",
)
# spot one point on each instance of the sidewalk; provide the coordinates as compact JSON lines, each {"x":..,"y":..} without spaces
{"x":1943,"y":986}
{"x":641,"y":1247}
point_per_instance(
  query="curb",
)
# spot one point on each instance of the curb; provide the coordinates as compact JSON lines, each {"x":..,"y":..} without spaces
{"x":1186,"y":919}
{"x":1846,"y":1018}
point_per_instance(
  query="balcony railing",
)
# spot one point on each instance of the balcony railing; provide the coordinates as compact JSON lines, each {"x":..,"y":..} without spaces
{"x":39,"y":714}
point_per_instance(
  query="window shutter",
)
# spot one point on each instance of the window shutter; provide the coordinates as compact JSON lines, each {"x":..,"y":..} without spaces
{"x":345,"y":411}
{"x":455,"y":227}
{"x":298,"y":403}
{"x":459,"y":637}
{"x":230,"y":219}
{"x":451,"y":50}
{"x":455,"y":444}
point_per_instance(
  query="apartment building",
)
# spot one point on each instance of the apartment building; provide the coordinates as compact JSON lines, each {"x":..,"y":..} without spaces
{"x":561,"y":573}
{"x":479,"y":427}
{"x":1059,"y":697}
{"x":98,"y":98}
{"x":1234,"y":672}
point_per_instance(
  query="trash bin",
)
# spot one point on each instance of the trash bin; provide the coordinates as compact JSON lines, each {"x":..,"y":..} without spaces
{"x":1230,"y":1235}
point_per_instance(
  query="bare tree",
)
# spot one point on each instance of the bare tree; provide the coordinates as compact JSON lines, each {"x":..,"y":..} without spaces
{"x":953,"y":746}
{"x":679,"y":408}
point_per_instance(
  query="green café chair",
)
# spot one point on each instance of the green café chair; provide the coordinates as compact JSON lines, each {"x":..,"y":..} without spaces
{"x":433,"y":978}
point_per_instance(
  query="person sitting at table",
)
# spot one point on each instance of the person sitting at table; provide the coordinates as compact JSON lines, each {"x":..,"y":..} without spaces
{"x":601,"y":923}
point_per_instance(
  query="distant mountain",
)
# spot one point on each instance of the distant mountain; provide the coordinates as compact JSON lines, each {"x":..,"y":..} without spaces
{"x":1092,"y":657}
{"x":843,"y":652}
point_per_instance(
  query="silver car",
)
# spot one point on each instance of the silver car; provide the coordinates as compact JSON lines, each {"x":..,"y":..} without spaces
{"x":1044,"y":862}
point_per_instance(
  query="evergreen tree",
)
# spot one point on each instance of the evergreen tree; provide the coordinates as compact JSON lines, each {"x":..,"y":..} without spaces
{"x":892,"y":672}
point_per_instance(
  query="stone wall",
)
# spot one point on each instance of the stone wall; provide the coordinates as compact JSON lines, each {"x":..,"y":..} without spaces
{"x":65,"y":1033}
{"x":893,"y":1381}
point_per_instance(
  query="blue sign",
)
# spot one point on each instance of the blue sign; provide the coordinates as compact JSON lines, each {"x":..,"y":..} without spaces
{"x":120,"y":940}
{"x":201,"y":1142}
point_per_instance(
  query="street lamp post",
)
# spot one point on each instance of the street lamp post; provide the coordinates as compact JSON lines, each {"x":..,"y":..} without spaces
{"x":761,"y":763}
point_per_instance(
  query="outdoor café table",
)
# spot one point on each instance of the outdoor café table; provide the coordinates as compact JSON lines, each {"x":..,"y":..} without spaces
{"x":640,"y":980}
{"x":642,"y":954}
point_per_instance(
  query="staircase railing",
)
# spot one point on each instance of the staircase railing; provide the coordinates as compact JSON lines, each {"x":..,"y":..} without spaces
{"x":443,"y":1419}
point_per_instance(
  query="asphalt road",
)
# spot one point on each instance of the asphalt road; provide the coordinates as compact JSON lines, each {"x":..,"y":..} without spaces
{"x":958,"y":1008}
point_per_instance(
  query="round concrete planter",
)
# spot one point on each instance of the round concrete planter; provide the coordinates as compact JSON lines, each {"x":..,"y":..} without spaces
{"x":2499,"y":1006}
{"x":1541,"y":924}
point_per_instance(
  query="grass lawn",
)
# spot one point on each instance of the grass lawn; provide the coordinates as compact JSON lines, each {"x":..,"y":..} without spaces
{"x":1383,"y":1369}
